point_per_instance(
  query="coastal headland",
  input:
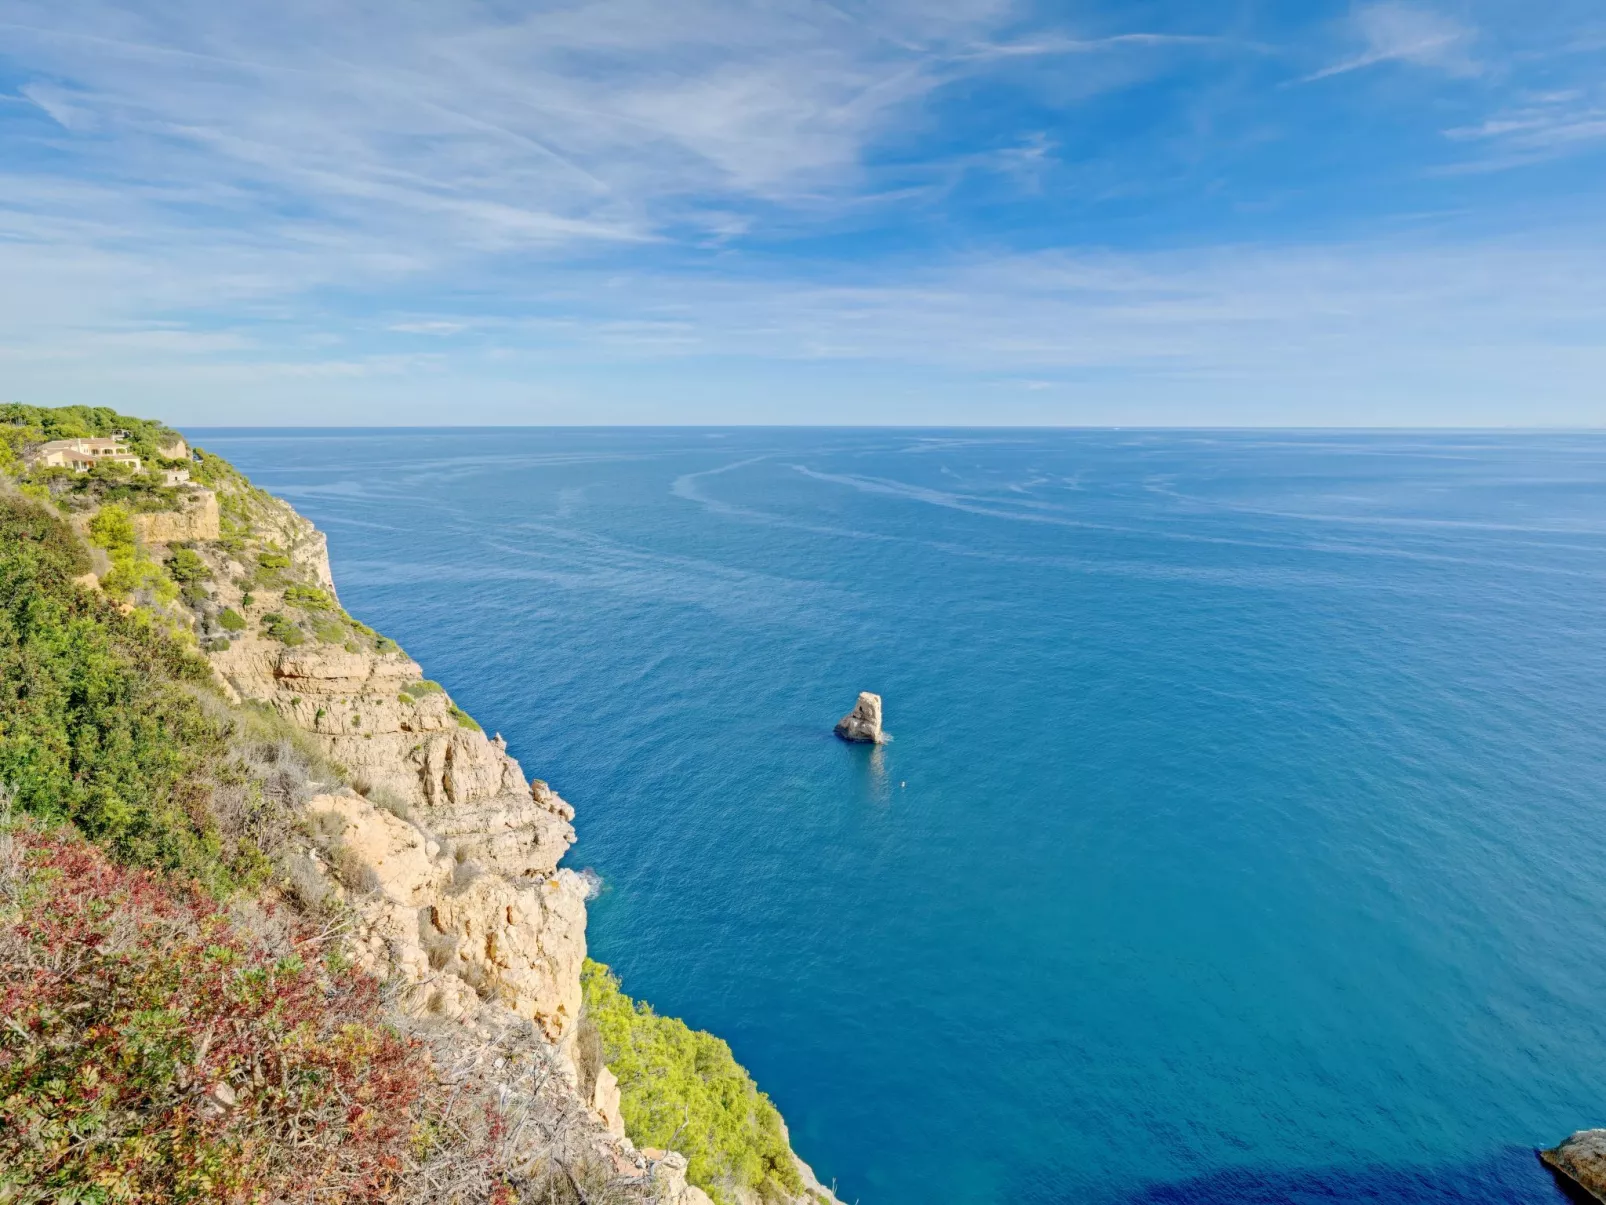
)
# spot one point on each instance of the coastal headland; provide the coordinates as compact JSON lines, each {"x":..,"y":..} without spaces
{"x":255,"y":747}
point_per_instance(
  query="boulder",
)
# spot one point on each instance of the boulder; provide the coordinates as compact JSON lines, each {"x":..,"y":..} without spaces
{"x":863,"y":723}
{"x":669,"y":1180}
{"x":1581,"y":1160}
{"x":605,"y":1101}
{"x":519,"y":943}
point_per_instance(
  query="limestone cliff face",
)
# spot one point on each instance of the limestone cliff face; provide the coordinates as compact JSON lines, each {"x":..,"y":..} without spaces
{"x":460,"y":850}
{"x":445,"y":854}
{"x":196,"y":519}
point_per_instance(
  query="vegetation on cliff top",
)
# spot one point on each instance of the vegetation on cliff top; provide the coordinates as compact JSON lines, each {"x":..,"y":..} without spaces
{"x":22,"y":427}
{"x":102,"y":722}
{"x":37,"y":424}
{"x":682,"y":1089}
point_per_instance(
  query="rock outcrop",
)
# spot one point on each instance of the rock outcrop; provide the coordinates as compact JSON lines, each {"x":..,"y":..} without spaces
{"x":669,"y":1179}
{"x":863,"y":723}
{"x":452,"y":852}
{"x":1581,"y":1161}
{"x":196,"y":519}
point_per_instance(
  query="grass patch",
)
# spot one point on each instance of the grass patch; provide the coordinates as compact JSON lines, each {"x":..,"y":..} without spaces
{"x":415,"y":691}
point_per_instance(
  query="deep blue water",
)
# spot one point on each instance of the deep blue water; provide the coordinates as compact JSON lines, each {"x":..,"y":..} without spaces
{"x":1242,"y":839}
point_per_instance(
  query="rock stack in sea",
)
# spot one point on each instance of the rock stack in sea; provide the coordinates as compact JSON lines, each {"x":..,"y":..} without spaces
{"x":863,"y":723}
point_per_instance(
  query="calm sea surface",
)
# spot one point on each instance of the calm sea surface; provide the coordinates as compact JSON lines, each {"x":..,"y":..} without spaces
{"x":1244,"y":834}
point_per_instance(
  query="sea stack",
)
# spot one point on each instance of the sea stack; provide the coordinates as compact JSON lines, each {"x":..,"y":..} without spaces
{"x":863,"y":723}
{"x":1582,"y":1160}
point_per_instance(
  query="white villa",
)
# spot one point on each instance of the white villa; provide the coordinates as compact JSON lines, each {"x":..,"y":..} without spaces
{"x":81,"y":455}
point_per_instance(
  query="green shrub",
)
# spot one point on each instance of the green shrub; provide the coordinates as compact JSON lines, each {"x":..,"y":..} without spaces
{"x":231,"y":620}
{"x":414,"y":691}
{"x":100,"y":723}
{"x":464,"y":720}
{"x":184,"y":566}
{"x":330,"y":631}
{"x":682,"y":1087}
{"x":113,"y":529}
{"x":273,"y":560}
{"x":277,"y":627}
{"x":308,"y":598}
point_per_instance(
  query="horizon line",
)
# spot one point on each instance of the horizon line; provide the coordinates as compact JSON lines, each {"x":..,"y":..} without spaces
{"x":1309,"y":428}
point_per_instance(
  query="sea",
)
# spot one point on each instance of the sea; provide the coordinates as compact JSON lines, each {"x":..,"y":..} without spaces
{"x":1243,"y":834}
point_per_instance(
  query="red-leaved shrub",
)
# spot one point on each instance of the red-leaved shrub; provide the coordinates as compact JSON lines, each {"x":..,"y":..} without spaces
{"x":154,"y":1050}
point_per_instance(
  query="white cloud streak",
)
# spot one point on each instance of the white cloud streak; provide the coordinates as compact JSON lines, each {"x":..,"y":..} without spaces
{"x":1539,"y":127}
{"x":1393,"y":32}
{"x":432,"y":195}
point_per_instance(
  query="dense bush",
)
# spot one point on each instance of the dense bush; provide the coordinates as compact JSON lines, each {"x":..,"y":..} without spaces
{"x":277,"y":627}
{"x":231,"y":620}
{"x":100,"y":721}
{"x":184,"y":565}
{"x":153,"y":1051}
{"x":309,"y":598}
{"x":131,"y":570}
{"x":681,"y":1087}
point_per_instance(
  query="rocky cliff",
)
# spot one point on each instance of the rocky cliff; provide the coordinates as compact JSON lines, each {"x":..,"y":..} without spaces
{"x":442,"y":853}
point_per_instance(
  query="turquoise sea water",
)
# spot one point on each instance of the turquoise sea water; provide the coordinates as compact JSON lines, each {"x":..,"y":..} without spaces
{"x":1244,"y":834}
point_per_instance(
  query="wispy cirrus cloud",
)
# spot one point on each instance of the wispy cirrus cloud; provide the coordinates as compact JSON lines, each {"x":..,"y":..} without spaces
{"x":258,"y":151}
{"x":1394,"y":32}
{"x":434,"y":195}
{"x":1540,"y":126}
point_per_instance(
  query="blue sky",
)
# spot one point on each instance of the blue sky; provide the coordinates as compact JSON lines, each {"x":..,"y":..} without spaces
{"x":1161,"y":212}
